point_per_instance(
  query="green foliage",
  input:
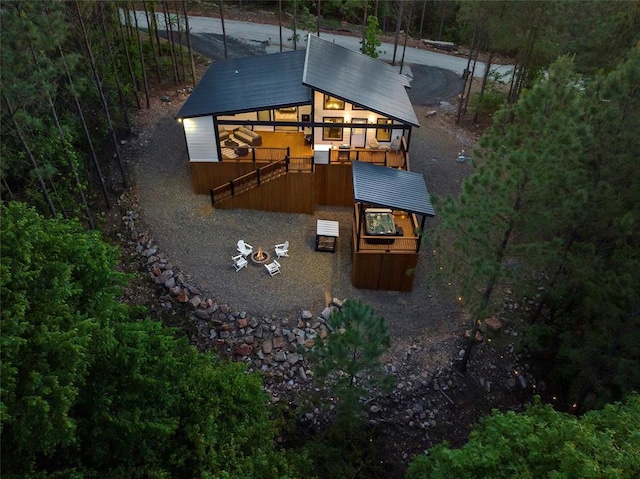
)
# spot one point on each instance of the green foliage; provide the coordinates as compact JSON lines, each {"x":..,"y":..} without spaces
{"x":542,"y":442}
{"x":350,"y":358}
{"x":90,"y":389}
{"x":556,"y":194}
{"x":342,"y":451}
{"x":371,"y":38}
{"x":491,"y":99}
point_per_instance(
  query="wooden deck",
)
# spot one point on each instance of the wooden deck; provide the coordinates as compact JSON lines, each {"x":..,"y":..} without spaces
{"x":293,"y":140}
{"x":299,"y":148}
{"x":408,"y":242}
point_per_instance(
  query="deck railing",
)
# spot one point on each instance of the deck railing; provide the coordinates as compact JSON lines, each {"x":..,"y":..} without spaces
{"x":383,"y":157}
{"x":259,"y":175}
{"x":341,"y":155}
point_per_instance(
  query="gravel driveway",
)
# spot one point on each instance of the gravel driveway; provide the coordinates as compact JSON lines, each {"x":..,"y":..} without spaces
{"x":200,"y":240}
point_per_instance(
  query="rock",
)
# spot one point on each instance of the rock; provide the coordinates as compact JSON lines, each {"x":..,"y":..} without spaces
{"x":293,"y":358}
{"x":170,"y":283}
{"x":511,"y":383}
{"x":242,"y":323}
{"x":195,"y":302}
{"x":164,"y":276}
{"x":306,"y":314}
{"x":326,"y":313}
{"x":523,"y":381}
{"x":244,"y":349}
{"x":183,"y":297}
{"x":375,"y":409}
{"x":461,"y":353}
{"x":493,"y":323}
{"x":280,"y":357}
{"x":202,"y":314}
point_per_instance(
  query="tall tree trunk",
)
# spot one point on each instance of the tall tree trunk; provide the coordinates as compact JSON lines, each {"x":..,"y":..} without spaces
{"x":473,"y":74}
{"x":533,"y":37}
{"x":103,"y":99}
{"x":125,"y":46}
{"x":190,"y":50}
{"x":486,"y":295}
{"x":424,"y":8}
{"x":318,"y":16}
{"x":153,"y":28}
{"x":406,"y":34}
{"x":468,"y":77}
{"x":181,"y":47}
{"x":156,"y":31}
{"x":395,"y":38}
{"x":485,"y":76}
{"x":143,"y":67}
{"x":34,"y":163}
{"x":224,"y":34}
{"x":85,"y":128}
{"x":280,"y":22}
{"x":169,"y":30}
{"x":364,"y":28}
{"x":295,"y":24}
{"x":8,"y":188}
{"x":513,"y":81}
{"x":444,"y":4}
{"x":114,"y":67}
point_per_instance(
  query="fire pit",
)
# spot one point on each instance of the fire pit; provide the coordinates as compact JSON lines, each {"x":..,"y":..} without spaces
{"x":260,"y":256}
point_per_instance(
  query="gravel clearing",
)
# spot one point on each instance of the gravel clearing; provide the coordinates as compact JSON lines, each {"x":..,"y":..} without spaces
{"x":200,"y":240}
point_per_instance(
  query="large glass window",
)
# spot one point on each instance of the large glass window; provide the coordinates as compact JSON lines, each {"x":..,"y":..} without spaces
{"x":383,"y":134}
{"x":332,"y":132}
{"x":332,"y":103}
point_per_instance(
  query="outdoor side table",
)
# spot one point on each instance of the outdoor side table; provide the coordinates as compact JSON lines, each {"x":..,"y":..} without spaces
{"x":327,"y":233}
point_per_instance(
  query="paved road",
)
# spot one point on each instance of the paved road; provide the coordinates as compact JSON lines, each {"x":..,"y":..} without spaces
{"x":269,"y":36}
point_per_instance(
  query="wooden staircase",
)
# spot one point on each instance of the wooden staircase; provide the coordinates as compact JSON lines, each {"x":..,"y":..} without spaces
{"x":257,"y":178}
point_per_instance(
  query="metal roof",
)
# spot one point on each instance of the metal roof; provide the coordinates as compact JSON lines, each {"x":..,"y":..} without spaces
{"x":357,"y":78}
{"x":396,"y":189}
{"x":249,"y":84}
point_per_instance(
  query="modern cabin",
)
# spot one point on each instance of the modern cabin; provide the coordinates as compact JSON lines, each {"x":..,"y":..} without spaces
{"x":284,"y":132}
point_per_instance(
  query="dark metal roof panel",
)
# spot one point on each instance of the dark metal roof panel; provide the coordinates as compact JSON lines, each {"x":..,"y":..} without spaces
{"x":357,"y":78}
{"x":248,"y":84}
{"x":396,"y":189}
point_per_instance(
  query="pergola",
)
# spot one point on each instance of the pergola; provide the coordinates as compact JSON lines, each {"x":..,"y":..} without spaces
{"x":397,"y":189}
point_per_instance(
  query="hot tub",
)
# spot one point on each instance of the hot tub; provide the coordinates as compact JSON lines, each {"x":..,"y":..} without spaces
{"x":379,"y":222}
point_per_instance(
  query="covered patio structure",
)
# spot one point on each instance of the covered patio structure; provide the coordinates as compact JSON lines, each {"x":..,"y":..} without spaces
{"x":391,"y":206}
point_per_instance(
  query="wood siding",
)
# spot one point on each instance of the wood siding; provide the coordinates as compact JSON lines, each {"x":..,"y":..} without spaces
{"x":286,"y":193}
{"x":333,"y":185}
{"x":389,"y":271}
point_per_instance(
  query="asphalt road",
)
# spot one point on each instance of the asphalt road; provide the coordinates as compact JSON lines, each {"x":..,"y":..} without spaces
{"x":267,"y":37}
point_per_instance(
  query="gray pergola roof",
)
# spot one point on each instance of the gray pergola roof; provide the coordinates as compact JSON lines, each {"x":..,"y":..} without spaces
{"x":249,"y":84}
{"x":390,"y":187}
{"x":357,"y":78}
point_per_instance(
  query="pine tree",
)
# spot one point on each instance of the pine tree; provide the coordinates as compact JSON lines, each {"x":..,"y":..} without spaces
{"x":349,"y":359}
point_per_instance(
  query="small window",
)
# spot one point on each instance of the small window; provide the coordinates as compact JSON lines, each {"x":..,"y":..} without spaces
{"x":332,"y":103}
{"x":383,"y":134}
{"x":332,"y":133}
{"x":264,"y":115}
